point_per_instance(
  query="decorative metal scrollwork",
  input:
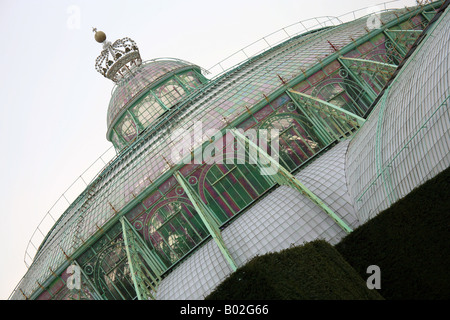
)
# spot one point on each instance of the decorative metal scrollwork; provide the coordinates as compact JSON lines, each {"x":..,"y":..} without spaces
{"x":117,"y":59}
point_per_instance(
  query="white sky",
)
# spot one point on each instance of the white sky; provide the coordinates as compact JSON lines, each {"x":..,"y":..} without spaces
{"x":53,"y":102}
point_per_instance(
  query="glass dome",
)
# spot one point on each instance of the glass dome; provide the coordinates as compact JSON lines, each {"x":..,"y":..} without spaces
{"x":153,"y":88}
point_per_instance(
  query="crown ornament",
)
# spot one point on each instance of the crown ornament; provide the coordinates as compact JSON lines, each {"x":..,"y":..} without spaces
{"x":117,"y":59}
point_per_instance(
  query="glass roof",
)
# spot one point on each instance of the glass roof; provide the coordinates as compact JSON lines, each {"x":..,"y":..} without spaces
{"x":144,"y":162}
{"x":143,"y":78}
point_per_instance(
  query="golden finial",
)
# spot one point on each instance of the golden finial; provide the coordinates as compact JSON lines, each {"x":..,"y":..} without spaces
{"x":99,"y":36}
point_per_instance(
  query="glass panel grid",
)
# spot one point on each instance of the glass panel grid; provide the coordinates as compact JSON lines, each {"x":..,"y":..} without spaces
{"x":113,"y":192}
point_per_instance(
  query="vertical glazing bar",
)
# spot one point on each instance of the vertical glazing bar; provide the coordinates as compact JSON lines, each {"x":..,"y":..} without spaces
{"x":378,"y":148}
{"x":358,"y":119}
{"x":158,"y":100}
{"x":130,"y":261}
{"x":139,"y":127}
{"x":96,"y":293}
{"x":361,"y":82}
{"x":182,"y":84}
{"x":205,"y":215}
{"x":283,"y":177}
{"x":396,"y":44}
{"x":318,"y":128}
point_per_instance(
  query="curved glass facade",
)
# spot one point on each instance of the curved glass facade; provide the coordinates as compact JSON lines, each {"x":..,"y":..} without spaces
{"x":139,"y":100}
{"x":316,"y":89}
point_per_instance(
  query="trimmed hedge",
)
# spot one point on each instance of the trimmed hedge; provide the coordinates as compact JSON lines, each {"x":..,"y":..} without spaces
{"x":409,"y":242}
{"x":310,"y":272}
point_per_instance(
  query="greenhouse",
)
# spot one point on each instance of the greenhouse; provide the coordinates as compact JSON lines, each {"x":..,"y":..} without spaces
{"x":359,"y":117}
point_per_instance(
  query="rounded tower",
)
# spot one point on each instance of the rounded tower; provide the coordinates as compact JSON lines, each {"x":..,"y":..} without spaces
{"x":143,"y":91}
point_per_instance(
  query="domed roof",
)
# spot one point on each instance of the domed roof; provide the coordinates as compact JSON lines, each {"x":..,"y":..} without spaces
{"x":143,"y":77}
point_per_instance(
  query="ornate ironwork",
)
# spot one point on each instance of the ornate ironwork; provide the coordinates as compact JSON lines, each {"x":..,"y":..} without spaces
{"x":284,"y":177}
{"x":146,"y":267}
{"x":117,"y":59}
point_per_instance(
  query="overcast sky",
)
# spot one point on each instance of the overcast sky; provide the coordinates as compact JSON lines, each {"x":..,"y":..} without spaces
{"x":54,"y":103}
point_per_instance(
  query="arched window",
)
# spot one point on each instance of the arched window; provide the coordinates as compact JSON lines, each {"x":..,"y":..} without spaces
{"x":344,"y":93}
{"x":190,"y":79}
{"x":147,"y":110}
{"x":112,"y":273}
{"x":170,"y":93}
{"x":126,"y":128}
{"x":229,"y":188}
{"x":297,"y":141}
{"x":174,"y":228}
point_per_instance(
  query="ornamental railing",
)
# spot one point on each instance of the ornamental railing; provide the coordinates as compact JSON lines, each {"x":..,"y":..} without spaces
{"x":64,"y":201}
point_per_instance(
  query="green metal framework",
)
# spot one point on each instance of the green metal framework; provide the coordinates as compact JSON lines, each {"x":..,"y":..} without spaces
{"x":134,"y":240}
{"x":284,"y":177}
{"x":154,"y":102}
{"x":146,"y":267}
{"x":208,"y":218}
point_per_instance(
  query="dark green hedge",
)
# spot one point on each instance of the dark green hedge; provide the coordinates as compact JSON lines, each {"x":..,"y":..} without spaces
{"x":313,"y":271}
{"x":409,"y":242}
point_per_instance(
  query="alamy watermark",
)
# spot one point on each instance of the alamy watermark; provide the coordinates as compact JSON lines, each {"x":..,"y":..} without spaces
{"x":228,"y":148}
{"x":374,"y":281}
{"x":373,"y":21}
{"x":73,"y":282}
{"x":73,"y":21}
